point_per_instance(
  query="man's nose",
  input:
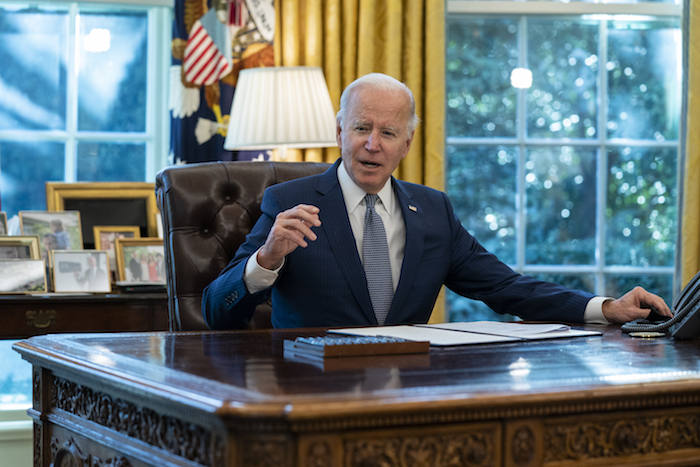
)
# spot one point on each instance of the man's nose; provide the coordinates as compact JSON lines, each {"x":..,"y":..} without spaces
{"x":372,"y":143}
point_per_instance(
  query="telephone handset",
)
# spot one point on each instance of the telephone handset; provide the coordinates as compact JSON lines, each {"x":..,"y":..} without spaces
{"x":686,"y":318}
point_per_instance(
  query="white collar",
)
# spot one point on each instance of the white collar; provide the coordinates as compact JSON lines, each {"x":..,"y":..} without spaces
{"x":353,"y":194}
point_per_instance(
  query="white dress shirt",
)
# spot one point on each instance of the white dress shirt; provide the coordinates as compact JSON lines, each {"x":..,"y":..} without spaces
{"x":257,"y":278}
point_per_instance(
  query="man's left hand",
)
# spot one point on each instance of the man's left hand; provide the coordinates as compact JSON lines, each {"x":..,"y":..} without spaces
{"x":635,"y":304}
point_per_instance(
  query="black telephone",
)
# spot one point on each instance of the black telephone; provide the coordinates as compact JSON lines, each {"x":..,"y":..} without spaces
{"x":686,"y":318}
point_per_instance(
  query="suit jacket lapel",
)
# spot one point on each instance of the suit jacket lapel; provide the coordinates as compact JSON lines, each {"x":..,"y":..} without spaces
{"x":336,"y":227}
{"x":415,"y":236}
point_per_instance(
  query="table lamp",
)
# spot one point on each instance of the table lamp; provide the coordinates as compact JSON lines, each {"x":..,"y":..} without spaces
{"x":280,"y":108}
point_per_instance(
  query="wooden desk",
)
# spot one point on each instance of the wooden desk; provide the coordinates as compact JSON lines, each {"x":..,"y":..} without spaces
{"x":29,"y":315}
{"x":232,"y":399}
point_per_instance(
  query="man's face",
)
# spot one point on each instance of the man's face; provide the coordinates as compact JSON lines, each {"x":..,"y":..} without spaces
{"x":373,"y":138}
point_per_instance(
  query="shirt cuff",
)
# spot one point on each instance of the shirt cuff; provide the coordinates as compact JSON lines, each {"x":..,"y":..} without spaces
{"x":256,"y":277}
{"x":594,"y":311}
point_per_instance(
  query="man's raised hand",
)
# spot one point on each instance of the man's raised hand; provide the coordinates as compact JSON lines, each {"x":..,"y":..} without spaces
{"x":292,"y":229}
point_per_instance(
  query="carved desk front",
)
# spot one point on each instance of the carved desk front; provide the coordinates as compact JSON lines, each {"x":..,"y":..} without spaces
{"x":222,"y":399}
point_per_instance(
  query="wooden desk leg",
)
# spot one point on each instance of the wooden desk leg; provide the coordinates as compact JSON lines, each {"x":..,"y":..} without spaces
{"x":40,"y":405}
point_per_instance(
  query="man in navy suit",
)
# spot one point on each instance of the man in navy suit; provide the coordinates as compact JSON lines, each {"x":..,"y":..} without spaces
{"x":306,"y":250}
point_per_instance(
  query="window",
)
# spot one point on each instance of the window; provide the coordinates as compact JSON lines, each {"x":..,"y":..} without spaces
{"x":82,"y":91}
{"x":82,"y":98}
{"x":563,"y":138}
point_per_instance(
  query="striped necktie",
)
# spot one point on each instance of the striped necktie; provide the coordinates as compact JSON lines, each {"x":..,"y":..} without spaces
{"x":375,"y":254}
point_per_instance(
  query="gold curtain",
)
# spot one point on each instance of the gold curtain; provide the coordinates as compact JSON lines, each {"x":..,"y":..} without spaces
{"x":690,"y":242}
{"x":350,"y":38}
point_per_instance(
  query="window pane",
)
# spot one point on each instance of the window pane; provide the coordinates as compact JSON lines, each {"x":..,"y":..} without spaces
{"x":584,"y":282}
{"x":481,"y":183}
{"x":15,"y":377}
{"x":481,"y":53}
{"x":641,"y":212}
{"x":644,"y":79}
{"x":111,"y":162}
{"x":25,"y":167}
{"x":113,"y":66}
{"x":563,"y":58}
{"x":617,"y":285}
{"x":33,"y":69}
{"x":560,"y":185}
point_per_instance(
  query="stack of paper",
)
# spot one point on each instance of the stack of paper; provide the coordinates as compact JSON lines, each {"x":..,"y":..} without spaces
{"x":477,"y":332}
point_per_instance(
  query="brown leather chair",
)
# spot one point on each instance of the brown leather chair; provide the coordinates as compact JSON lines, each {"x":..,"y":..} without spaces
{"x":207,"y":210}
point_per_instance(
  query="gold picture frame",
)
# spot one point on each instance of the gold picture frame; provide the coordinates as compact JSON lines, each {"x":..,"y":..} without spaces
{"x":105,"y":235}
{"x":20,"y":247}
{"x":134,"y":255}
{"x":57,"y":230}
{"x":129,"y":231}
{"x":106,"y":203}
{"x":22,"y":276}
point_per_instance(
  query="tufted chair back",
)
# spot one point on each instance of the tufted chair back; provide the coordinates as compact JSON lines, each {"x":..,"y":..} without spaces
{"x":207,"y":211}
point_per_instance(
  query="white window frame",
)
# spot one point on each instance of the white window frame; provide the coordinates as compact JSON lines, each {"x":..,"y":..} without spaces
{"x":574,"y":8}
{"x":157,"y":133}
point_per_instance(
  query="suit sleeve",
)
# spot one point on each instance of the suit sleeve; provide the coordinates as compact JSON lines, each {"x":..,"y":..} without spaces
{"x":226,"y":302}
{"x":478,"y":274}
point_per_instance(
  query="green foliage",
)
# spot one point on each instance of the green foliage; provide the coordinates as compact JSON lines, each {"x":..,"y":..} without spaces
{"x":560,"y":183}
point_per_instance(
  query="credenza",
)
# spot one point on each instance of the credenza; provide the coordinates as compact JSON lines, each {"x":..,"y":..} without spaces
{"x":29,"y":315}
{"x":223,"y":399}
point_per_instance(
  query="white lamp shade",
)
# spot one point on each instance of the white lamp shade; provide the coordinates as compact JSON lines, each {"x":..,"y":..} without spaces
{"x":281,"y":107}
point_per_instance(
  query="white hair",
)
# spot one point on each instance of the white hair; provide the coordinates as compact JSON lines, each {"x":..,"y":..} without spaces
{"x":382,"y":82}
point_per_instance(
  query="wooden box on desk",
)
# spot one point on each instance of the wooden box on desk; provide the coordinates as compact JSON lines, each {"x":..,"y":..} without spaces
{"x":29,"y":315}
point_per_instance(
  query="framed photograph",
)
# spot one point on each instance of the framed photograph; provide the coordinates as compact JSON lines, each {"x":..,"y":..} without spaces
{"x":22,"y":276}
{"x":105,"y":235}
{"x":106,"y":203}
{"x":140,"y":260}
{"x":20,"y":247}
{"x":159,"y":224}
{"x":3,"y":223}
{"x":56,"y":230}
{"x":81,"y":271}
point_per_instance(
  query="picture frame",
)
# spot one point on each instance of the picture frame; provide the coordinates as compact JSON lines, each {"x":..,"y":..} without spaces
{"x":22,"y":276}
{"x":140,"y":260}
{"x":57,"y":230}
{"x":106,"y":203}
{"x":105,"y":235}
{"x":3,"y":223}
{"x":20,"y":247}
{"x":81,"y":271}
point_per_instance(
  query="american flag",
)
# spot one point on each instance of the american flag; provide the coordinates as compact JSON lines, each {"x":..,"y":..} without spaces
{"x":238,"y":13}
{"x":208,"y":52}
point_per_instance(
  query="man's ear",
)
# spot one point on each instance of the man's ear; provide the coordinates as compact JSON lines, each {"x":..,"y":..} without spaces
{"x":338,"y":130}
{"x":408,"y":143}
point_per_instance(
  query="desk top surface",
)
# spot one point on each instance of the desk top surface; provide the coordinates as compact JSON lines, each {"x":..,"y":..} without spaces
{"x":247,"y":372}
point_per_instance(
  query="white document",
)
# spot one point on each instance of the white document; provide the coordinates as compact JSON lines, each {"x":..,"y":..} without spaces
{"x":419,"y":333}
{"x":477,"y":332}
{"x":516,"y":330}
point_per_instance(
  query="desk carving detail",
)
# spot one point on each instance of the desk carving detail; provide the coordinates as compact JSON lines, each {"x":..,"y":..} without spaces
{"x":40,"y":319}
{"x":266,"y":454}
{"x":619,"y":438}
{"x":69,"y":454}
{"x":467,"y":450}
{"x":168,"y":433}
